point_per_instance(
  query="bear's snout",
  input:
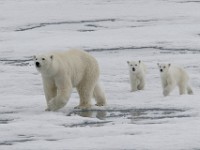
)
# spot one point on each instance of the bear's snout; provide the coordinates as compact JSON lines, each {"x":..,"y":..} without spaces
{"x":133,"y":69}
{"x":37,"y":64}
{"x":161,"y":70}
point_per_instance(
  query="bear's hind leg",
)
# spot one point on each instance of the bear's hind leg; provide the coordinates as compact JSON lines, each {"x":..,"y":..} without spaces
{"x":189,"y":90}
{"x":86,"y":86}
{"x":85,"y":94}
{"x":182,"y":88}
{"x":99,"y":95}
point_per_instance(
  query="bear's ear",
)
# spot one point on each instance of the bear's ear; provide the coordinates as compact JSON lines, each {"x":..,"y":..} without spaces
{"x":139,"y":61}
{"x":51,"y":57}
{"x":169,"y":65}
{"x":128,"y":62}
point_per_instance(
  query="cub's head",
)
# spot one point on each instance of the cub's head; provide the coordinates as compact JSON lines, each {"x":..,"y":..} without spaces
{"x":134,"y":66}
{"x":43,"y":62}
{"x":163,"y":67}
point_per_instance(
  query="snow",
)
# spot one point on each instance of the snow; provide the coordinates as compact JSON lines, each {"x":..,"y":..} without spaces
{"x":114,"y":32}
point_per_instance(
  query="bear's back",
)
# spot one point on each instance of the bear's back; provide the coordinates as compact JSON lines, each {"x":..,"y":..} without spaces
{"x":78,"y":64}
{"x":178,"y":73}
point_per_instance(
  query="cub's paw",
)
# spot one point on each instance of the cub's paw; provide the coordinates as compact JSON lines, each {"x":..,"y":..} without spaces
{"x":165,"y":92}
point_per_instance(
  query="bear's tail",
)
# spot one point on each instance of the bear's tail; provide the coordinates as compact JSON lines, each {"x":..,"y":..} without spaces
{"x":99,"y":95}
{"x":189,"y":90}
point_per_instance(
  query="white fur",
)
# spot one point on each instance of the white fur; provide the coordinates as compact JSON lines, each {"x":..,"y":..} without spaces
{"x":137,"y":72}
{"x":172,"y":76}
{"x":61,"y":71}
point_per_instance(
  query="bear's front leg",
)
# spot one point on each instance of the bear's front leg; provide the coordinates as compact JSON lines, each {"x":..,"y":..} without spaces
{"x":50,"y":89}
{"x":141,"y":85}
{"x":60,"y":100}
{"x":182,"y":88}
{"x":166,"y":92}
{"x":168,"y":89}
{"x":134,"y":85}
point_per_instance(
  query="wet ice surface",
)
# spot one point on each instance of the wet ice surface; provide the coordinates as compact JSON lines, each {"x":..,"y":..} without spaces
{"x":129,"y":116}
{"x":113,"y":32}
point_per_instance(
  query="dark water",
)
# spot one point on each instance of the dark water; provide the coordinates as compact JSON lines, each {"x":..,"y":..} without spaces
{"x":129,"y":116}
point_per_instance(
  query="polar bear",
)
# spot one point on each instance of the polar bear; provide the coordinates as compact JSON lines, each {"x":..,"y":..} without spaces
{"x":137,"y":71}
{"x":61,"y":71}
{"x":172,"y":76}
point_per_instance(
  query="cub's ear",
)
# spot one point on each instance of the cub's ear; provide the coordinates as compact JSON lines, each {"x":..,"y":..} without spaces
{"x":128,"y":62}
{"x":51,"y":57}
{"x":169,"y":65}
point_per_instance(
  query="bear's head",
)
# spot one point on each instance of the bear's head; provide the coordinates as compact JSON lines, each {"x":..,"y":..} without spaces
{"x":43,"y":63}
{"x":134,"y":66}
{"x":163,"y":67}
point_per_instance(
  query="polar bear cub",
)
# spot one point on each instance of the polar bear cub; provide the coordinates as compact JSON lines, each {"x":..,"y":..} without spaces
{"x":172,"y":76}
{"x":62,"y":71}
{"x":137,"y":71}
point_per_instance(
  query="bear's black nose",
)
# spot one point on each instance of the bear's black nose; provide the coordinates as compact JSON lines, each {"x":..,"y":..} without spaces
{"x":37,"y":64}
{"x":161,"y":70}
{"x":133,"y":69}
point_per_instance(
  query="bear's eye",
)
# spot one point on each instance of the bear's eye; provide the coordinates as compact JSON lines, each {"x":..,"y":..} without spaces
{"x":131,"y":65}
{"x":43,"y":58}
{"x":164,"y":67}
{"x":135,"y":64}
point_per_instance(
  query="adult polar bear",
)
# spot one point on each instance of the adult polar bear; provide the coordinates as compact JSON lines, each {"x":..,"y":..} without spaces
{"x":61,"y":71}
